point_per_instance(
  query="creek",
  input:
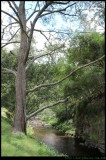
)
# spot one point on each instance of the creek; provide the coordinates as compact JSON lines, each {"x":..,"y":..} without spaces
{"x":62,"y":143}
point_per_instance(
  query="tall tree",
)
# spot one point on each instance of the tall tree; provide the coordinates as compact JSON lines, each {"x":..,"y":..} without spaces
{"x":42,"y":10}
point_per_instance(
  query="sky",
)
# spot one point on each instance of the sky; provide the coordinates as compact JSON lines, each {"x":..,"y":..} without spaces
{"x":59,"y":23}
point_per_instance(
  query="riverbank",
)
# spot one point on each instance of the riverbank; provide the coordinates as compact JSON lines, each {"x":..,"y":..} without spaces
{"x":22,"y":145}
{"x":36,"y":122}
{"x":67,"y":127}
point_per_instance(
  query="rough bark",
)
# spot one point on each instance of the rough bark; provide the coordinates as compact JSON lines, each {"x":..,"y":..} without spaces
{"x":20,"y":110}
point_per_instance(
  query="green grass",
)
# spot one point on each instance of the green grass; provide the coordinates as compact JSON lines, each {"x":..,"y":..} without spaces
{"x":22,"y":145}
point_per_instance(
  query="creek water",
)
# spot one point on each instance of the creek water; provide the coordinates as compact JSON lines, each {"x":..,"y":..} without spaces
{"x":63,"y":143}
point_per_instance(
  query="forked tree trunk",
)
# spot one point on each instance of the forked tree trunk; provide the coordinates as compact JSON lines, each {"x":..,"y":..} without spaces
{"x":20,"y":84}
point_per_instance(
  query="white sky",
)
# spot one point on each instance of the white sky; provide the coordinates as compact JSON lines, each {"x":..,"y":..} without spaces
{"x":59,"y":23}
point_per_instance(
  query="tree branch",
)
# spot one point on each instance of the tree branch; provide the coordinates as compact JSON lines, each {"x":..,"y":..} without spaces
{"x":14,"y":34}
{"x":45,"y":36}
{"x":39,"y":15}
{"x":10,"y":39}
{"x":42,"y":55}
{"x":55,"y":83}
{"x":5,"y":44}
{"x":45,"y":107}
{"x":13,"y":8}
{"x":60,"y":10}
{"x":10,"y":24}
{"x":10,"y":16}
{"x":32,"y":29}
{"x":16,"y":7}
{"x":66,"y":14}
{"x":9,"y":71}
{"x":33,"y":12}
{"x":27,"y":67}
{"x":50,"y":31}
{"x":16,"y":13}
{"x":58,"y":2}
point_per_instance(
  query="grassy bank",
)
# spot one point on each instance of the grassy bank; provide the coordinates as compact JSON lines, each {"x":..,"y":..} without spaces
{"x":21,"y":145}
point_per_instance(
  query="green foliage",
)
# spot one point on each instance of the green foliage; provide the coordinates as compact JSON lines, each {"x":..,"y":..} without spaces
{"x":36,"y":75}
{"x":61,"y":113}
{"x":82,"y":82}
{"x":8,"y":60}
{"x":29,"y":129}
{"x":89,"y":47}
{"x":91,"y":108}
{"x":7,"y":115}
{"x":67,"y":126}
{"x":8,"y":82}
{"x":48,"y":116}
{"x":83,"y":87}
{"x":86,"y":85}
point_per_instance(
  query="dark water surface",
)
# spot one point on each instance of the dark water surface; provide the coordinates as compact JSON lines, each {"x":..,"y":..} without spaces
{"x":63,"y":143}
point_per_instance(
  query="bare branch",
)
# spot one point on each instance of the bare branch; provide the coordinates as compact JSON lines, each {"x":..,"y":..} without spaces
{"x":3,"y":31}
{"x":55,"y":83}
{"x":33,"y":12}
{"x":16,"y":14}
{"x":32,"y":29}
{"x":35,"y":20}
{"x":10,"y":39}
{"x":9,"y":25}
{"x":42,"y":55}
{"x":50,"y":31}
{"x":5,"y":70}
{"x":16,"y":7}
{"x":27,"y":67}
{"x":20,"y":23}
{"x":5,"y":44}
{"x":14,"y":34}
{"x":57,"y":2}
{"x":66,"y":14}
{"x":55,"y":11}
{"x":45,"y":107}
{"x":10,"y":16}
{"x":13,"y":8}
{"x":45,"y":36}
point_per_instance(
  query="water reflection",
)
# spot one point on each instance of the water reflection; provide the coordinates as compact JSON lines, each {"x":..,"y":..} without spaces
{"x":51,"y":139}
{"x":62,"y":143}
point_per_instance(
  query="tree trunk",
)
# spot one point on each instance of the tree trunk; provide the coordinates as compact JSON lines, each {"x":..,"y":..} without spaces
{"x":20,"y":110}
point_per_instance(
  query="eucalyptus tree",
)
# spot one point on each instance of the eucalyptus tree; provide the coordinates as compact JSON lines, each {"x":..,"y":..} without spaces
{"x":19,"y":15}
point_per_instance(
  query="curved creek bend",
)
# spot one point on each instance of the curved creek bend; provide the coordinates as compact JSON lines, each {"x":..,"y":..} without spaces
{"x":60,"y":142}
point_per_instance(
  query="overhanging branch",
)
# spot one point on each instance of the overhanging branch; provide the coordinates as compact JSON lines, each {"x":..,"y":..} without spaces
{"x":55,"y":83}
{"x":45,"y":107}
